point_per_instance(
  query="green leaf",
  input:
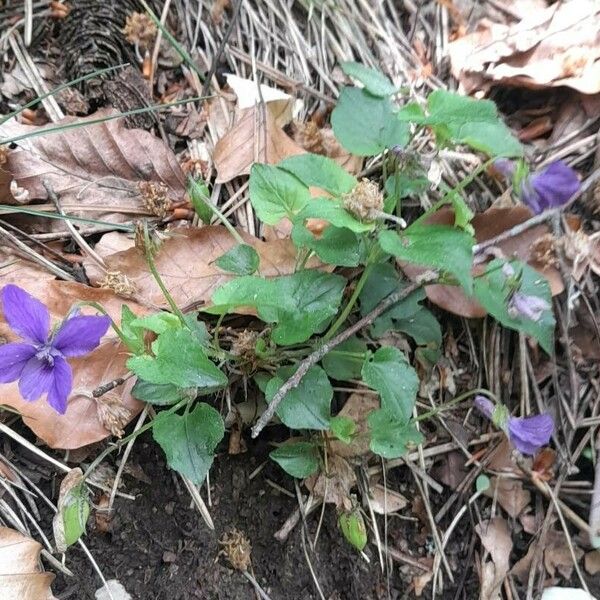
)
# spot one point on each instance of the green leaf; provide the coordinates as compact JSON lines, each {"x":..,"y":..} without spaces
{"x":157,"y":322}
{"x":75,"y":511}
{"x":200,"y":199}
{"x":333,"y":211}
{"x":338,"y":365}
{"x":159,"y":394}
{"x":241,"y":260}
{"x":462,"y":213}
{"x":374,"y":81}
{"x":336,"y":246}
{"x":299,"y":304}
{"x":299,"y":459}
{"x":353,"y":528}
{"x":388,"y":372}
{"x":482,"y":483}
{"x":425,"y":329}
{"x":314,"y":170}
{"x":493,"y":288}
{"x":343,"y":428}
{"x":402,"y":185}
{"x":392,"y":438}
{"x":308,"y":406}
{"x":198,"y":328}
{"x":189,"y":440}
{"x":134,"y":338}
{"x":179,"y":358}
{"x":438,"y":246}
{"x":275,"y":193}
{"x":464,"y":120}
{"x":366,"y":125}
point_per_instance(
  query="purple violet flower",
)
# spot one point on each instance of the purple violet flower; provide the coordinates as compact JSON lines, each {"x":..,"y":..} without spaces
{"x":528,"y":307}
{"x":551,"y":187}
{"x":39,"y":361}
{"x":527,"y":434}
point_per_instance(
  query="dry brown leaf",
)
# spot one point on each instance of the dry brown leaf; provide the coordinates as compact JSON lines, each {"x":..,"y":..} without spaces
{"x":81,"y":424}
{"x":495,"y":538}
{"x":94,"y":169}
{"x":511,"y":495}
{"x":21,"y":575}
{"x":537,"y":52}
{"x":420,"y":582}
{"x":357,"y":407}
{"x":522,"y":567}
{"x":385,"y":501}
{"x":184,"y":263}
{"x":488,"y":225}
{"x":592,"y":562}
{"x":335,"y":485}
{"x":255,"y":137}
{"x":557,"y":555}
{"x":72,"y":480}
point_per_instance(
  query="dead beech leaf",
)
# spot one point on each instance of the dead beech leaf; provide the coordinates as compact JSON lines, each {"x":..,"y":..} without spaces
{"x":511,"y":495}
{"x":255,"y":137}
{"x":537,"y":52}
{"x":94,"y":169}
{"x":357,"y":407}
{"x":21,"y":576}
{"x":80,"y":425}
{"x":72,"y":480}
{"x":495,"y":538}
{"x":184,"y":262}
{"x":335,"y":485}
{"x":592,"y":562}
{"x":385,"y":501}
{"x":488,"y":225}
{"x":557,"y":555}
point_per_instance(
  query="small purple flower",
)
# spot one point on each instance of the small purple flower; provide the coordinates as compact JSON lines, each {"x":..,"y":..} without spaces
{"x":527,"y":307}
{"x":551,"y":187}
{"x":39,"y":361}
{"x":527,"y":434}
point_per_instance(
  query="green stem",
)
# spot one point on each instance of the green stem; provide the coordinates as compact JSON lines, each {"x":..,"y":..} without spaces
{"x":357,"y":290}
{"x":152,"y":265}
{"x":463,"y":184}
{"x":128,"y":438}
{"x":101,"y":309}
{"x":232,"y":230}
{"x":454,"y":402}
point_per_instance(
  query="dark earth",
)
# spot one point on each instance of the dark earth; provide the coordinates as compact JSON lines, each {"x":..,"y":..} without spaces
{"x":161,"y":549}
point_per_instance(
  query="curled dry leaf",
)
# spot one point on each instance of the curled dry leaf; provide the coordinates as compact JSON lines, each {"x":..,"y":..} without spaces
{"x":591,"y":562}
{"x":21,"y":576}
{"x":510,"y":494}
{"x":95,"y":169}
{"x":488,"y":225}
{"x":385,"y":501}
{"x":357,"y":407}
{"x":185,"y":263}
{"x":495,"y":538}
{"x":335,"y":485}
{"x":81,"y":424}
{"x":537,"y":52}
{"x":557,"y":555}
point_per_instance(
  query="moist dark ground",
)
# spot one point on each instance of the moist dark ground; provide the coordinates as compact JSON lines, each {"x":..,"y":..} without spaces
{"x":160,"y":548}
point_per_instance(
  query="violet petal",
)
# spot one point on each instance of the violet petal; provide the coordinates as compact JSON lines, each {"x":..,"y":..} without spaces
{"x":36,"y":379}
{"x":527,"y":307}
{"x":80,"y":334}
{"x":550,"y":188}
{"x":13,"y":358}
{"x":26,"y":315}
{"x":485,"y":406}
{"x":61,"y":386}
{"x":529,"y":434}
{"x":504,"y":166}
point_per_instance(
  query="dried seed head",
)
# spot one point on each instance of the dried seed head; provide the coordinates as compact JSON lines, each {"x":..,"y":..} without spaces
{"x":244,"y":346}
{"x":118,"y":283}
{"x":543,"y":251}
{"x":155,"y":197}
{"x":139,"y":29}
{"x":365,"y":201}
{"x":3,"y":155}
{"x":237,"y":549}
{"x":308,"y":135}
{"x":112,"y":414}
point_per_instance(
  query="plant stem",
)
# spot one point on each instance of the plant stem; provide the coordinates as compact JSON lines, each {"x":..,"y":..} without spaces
{"x":232,"y":230}
{"x":453,"y":402}
{"x":128,"y":438}
{"x":327,"y":346}
{"x":101,"y":309}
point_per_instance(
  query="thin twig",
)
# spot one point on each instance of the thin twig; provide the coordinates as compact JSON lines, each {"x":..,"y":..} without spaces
{"x":327,"y":347}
